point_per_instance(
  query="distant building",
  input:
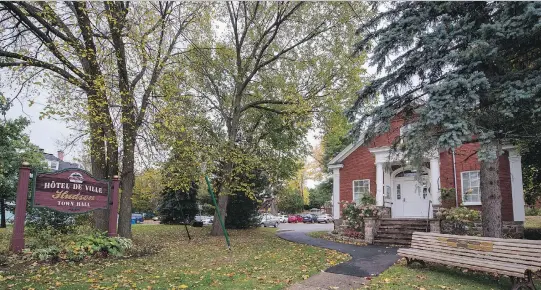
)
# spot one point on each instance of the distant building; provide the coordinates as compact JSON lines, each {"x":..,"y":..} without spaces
{"x":57,"y":162}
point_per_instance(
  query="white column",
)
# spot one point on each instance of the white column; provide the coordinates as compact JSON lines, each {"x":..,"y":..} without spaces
{"x":435,"y":180}
{"x":515,"y":166}
{"x":336,"y":192}
{"x":379,"y":184}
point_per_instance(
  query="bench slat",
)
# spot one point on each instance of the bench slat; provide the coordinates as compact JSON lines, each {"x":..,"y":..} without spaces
{"x":468,"y":266}
{"x":515,"y":268}
{"x":512,"y":241}
{"x":528,"y":261}
{"x":519,"y":253}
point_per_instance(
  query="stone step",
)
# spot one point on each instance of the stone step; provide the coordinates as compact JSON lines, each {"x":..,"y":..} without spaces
{"x":400,"y":222}
{"x":394,"y":236}
{"x":398,"y":231}
{"x":406,"y":243}
{"x":411,"y":228}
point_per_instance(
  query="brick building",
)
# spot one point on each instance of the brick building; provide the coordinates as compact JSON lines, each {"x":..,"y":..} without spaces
{"x":362,"y":169}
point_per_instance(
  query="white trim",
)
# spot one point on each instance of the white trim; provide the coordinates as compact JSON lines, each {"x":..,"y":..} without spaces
{"x":353,"y":187}
{"x":462,"y":188}
{"x":336,"y":166}
{"x":517,"y":191}
{"x":471,"y":203}
{"x":336,"y":193}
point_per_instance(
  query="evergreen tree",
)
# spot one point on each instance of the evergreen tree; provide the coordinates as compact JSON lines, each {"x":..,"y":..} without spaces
{"x":459,"y":72}
{"x":178,"y":206}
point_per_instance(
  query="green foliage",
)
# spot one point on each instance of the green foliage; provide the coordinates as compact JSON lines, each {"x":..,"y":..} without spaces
{"x":83,"y":246}
{"x":290,"y":201}
{"x":241,"y":211}
{"x":531,"y":169}
{"x":448,"y":196}
{"x":321,"y":194}
{"x":40,"y":219}
{"x":15,"y":148}
{"x":146,"y":192}
{"x":178,"y":206}
{"x":532,"y":211}
{"x":460,"y":72}
{"x":459,"y":220}
{"x":354,"y":214}
{"x":460,"y":214}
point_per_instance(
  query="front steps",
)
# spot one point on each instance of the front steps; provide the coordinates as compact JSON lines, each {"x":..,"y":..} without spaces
{"x":398,"y":232}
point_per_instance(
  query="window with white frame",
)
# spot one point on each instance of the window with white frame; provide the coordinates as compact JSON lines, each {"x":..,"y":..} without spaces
{"x":403,"y":131}
{"x":360,"y":189}
{"x":53,"y":165}
{"x":471,"y":193}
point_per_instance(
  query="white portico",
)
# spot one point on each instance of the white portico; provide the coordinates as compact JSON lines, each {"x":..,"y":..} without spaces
{"x":408,"y":193}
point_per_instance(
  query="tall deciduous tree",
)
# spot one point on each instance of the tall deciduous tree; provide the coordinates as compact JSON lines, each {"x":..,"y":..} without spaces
{"x":459,"y":72}
{"x":270,"y":64}
{"x":114,"y":53}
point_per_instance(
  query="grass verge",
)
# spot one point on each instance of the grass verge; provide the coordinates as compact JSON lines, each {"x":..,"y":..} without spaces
{"x":434,"y":276}
{"x":258,"y":260}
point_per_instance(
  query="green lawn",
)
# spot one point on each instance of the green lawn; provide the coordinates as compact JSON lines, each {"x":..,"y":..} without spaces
{"x":433,"y":276}
{"x":318,"y":234}
{"x":533,"y":222}
{"x":440,"y":277}
{"x":258,"y":260}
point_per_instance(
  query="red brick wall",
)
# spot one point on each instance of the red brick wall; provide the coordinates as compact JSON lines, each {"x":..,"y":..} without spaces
{"x":360,"y":165}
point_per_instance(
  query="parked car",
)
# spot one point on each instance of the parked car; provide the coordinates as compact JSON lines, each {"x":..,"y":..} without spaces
{"x":292,"y":219}
{"x":283,"y":219}
{"x":207,"y":220}
{"x":309,"y":218}
{"x":269,"y":220}
{"x":137,"y":217}
{"x":156,"y":218}
{"x":299,"y":218}
{"x":324,"y":218}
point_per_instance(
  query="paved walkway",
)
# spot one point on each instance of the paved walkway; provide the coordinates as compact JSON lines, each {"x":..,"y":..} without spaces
{"x":366,"y":261}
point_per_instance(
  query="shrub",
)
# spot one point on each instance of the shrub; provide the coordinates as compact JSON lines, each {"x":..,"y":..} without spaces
{"x":241,"y":212}
{"x":354,"y":214}
{"x":42,"y":219}
{"x":459,"y":220}
{"x":178,"y":206}
{"x":532,"y":211}
{"x":353,"y":234}
{"x":81,"y":247}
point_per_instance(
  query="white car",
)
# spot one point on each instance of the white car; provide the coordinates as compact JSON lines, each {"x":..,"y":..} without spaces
{"x":207,"y":220}
{"x":324,"y":218}
{"x":283,"y":219}
{"x":269,"y":220}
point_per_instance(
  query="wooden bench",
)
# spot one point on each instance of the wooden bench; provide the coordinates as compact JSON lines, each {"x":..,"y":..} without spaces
{"x":518,"y":259}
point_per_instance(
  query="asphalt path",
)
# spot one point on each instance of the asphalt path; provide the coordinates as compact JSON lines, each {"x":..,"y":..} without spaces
{"x":365,"y":261}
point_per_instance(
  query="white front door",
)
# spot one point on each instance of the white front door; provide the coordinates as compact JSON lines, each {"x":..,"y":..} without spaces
{"x":409,"y":200}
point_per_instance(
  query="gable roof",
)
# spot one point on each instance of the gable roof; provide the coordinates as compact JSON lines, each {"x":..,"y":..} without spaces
{"x":346,"y":152}
{"x":61,"y":163}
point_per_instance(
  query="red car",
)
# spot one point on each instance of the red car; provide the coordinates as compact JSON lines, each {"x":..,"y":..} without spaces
{"x":299,"y":218}
{"x":292,"y":219}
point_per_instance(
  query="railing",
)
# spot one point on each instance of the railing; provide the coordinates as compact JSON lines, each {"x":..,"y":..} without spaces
{"x":428,"y":216}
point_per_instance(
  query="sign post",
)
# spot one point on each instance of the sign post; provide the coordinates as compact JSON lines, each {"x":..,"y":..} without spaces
{"x":71,"y":191}
{"x":17,"y":239}
{"x":113,"y":213}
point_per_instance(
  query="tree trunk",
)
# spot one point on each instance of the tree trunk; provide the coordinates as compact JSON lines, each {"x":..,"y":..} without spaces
{"x":2,"y":213}
{"x":222,"y":207}
{"x":491,"y":198}
{"x":127,"y":183}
